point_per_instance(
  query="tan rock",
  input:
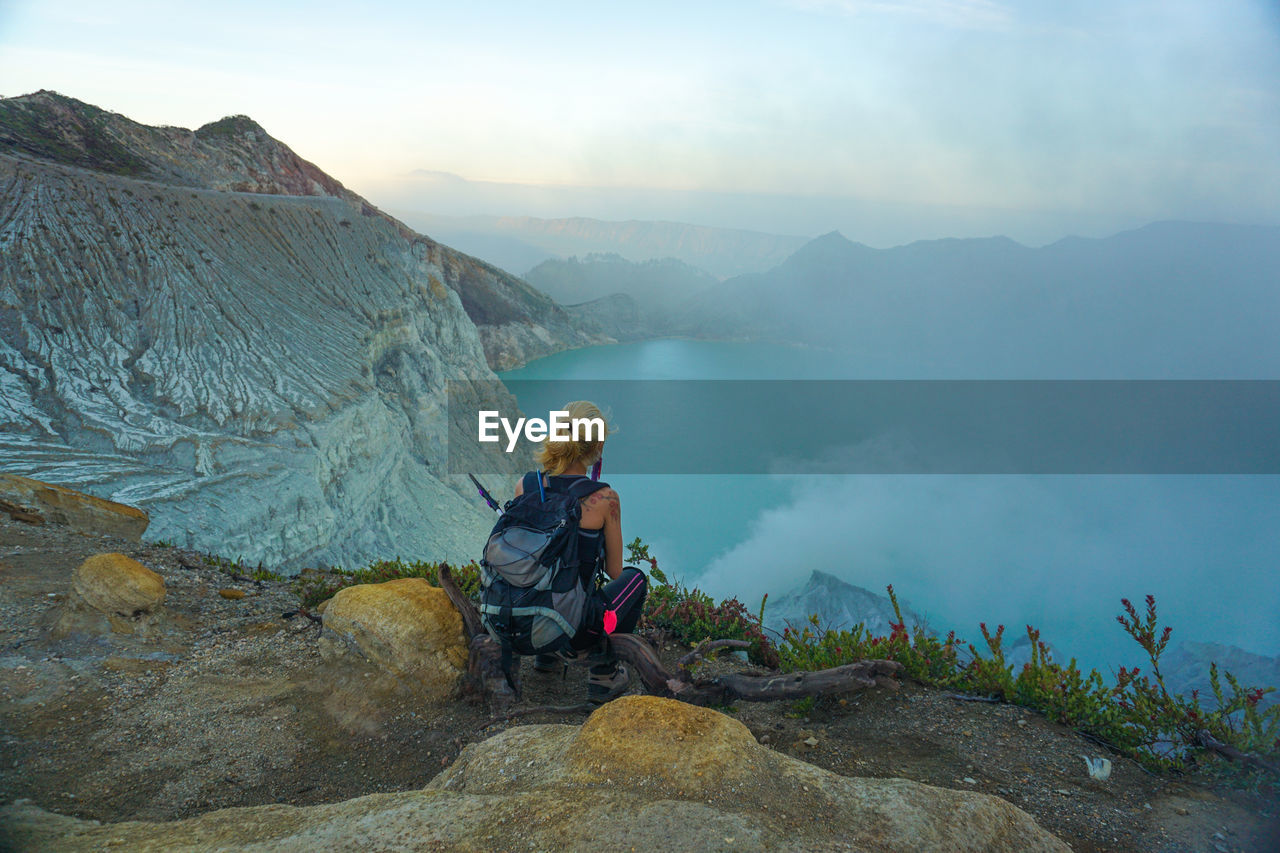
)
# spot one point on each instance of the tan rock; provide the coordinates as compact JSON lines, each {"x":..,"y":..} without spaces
{"x":406,"y":627}
{"x":85,"y":513}
{"x":112,"y":592}
{"x":534,"y":787}
{"x":231,"y":593}
{"x":636,"y":738}
{"x":114,"y":583}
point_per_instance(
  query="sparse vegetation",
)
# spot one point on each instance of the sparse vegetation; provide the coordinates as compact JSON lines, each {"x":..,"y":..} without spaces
{"x":691,"y":615}
{"x":314,"y":587}
{"x":239,"y":568}
{"x":35,"y":129}
{"x":227,"y":128}
{"x":1134,"y":713}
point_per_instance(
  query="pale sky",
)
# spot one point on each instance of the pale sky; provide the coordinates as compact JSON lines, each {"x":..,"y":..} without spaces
{"x":936,"y":114}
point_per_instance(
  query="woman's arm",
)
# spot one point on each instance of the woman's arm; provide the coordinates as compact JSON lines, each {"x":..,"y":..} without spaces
{"x":611,"y":506}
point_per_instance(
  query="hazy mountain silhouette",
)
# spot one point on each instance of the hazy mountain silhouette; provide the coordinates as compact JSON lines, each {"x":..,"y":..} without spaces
{"x":1173,"y":299}
{"x":518,"y":243}
{"x":655,"y":285}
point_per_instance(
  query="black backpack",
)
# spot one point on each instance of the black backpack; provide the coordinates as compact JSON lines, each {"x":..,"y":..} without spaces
{"x":533,"y":594}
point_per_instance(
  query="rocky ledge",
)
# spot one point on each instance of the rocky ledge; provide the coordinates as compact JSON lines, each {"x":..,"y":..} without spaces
{"x":189,"y":706}
{"x":641,"y":772}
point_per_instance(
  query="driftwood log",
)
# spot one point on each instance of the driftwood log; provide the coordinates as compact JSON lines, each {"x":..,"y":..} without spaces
{"x":1229,"y":752}
{"x":484,"y":668}
{"x":487,"y":677}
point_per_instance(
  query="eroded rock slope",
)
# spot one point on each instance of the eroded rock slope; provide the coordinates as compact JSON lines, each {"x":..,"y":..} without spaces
{"x":204,"y":325}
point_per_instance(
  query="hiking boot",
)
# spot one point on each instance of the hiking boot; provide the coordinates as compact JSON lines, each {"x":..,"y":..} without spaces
{"x":607,"y":681}
{"x":554,"y":661}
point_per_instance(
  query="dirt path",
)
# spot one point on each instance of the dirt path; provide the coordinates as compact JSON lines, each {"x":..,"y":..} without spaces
{"x":234,"y":706}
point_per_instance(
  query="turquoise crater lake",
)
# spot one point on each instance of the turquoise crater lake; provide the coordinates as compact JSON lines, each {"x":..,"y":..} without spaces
{"x":1057,"y":552}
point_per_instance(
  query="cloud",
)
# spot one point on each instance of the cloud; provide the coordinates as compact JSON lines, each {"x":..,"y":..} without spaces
{"x":1054,"y":552}
{"x":960,"y":14}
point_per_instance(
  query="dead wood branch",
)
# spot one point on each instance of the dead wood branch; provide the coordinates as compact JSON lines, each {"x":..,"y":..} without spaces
{"x":470,"y":616}
{"x":1210,"y":742}
{"x":302,"y":611}
{"x":484,"y":666}
{"x":709,"y":646}
{"x":580,"y":708}
{"x":485,"y":671}
{"x":960,"y":697}
{"x":723,"y":689}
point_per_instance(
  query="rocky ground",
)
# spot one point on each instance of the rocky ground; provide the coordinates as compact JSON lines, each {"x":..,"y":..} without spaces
{"x":232,"y":704}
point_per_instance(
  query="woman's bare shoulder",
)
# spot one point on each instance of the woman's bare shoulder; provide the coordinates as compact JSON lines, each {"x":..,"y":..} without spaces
{"x":605,"y":499}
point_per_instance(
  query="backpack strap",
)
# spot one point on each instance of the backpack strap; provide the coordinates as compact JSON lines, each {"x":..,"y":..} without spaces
{"x":585,"y":486}
{"x":532,"y":480}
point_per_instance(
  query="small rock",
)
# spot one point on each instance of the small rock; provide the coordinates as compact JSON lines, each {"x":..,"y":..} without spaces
{"x":1021,"y":722}
{"x":1063,"y":791}
{"x":811,"y":742}
{"x":1180,"y":810}
{"x":231,"y":593}
{"x":969,"y":780}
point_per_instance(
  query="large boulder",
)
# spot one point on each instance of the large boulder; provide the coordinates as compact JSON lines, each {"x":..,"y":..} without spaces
{"x":60,"y":505}
{"x":642,"y":773}
{"x":112,"y":592}
{"x":406,"y":627}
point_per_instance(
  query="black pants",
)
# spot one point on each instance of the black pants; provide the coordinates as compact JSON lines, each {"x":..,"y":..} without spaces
{"x":625,"y":596}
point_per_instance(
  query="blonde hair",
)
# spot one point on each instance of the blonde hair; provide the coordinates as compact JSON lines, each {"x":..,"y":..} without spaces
{"x":556,"y":457}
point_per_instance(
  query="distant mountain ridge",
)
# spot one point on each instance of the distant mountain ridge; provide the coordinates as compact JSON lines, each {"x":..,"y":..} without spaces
{"x":518,"y":243}
{"x":1171,"y":300}
{"x":651,"y":294}
{"x":839,"y":606}
{"x":1186,"y":669}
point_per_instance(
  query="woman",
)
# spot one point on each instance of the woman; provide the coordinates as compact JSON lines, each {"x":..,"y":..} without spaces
{"x":617,"y":605}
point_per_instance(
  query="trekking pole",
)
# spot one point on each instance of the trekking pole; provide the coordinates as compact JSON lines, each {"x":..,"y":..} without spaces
{"x":484,"y":493}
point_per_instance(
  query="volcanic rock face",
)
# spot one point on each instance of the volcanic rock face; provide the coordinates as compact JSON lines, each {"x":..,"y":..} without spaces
{"x":642,"y":772}
{"x":264,"y":372}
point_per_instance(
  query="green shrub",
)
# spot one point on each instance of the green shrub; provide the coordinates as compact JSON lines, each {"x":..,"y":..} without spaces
{"x":692,"y":616}
{"x":1136,"y":715}
{"x":923,"y":656}
{"x":314,"y":587}
{"x":238,"y":567}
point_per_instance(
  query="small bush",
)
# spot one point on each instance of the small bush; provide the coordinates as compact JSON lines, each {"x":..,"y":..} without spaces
{"x":692,"y":616}
{"x":923,"y":656}
{"x":314,"y":587}
{"x":1136,"y":715}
